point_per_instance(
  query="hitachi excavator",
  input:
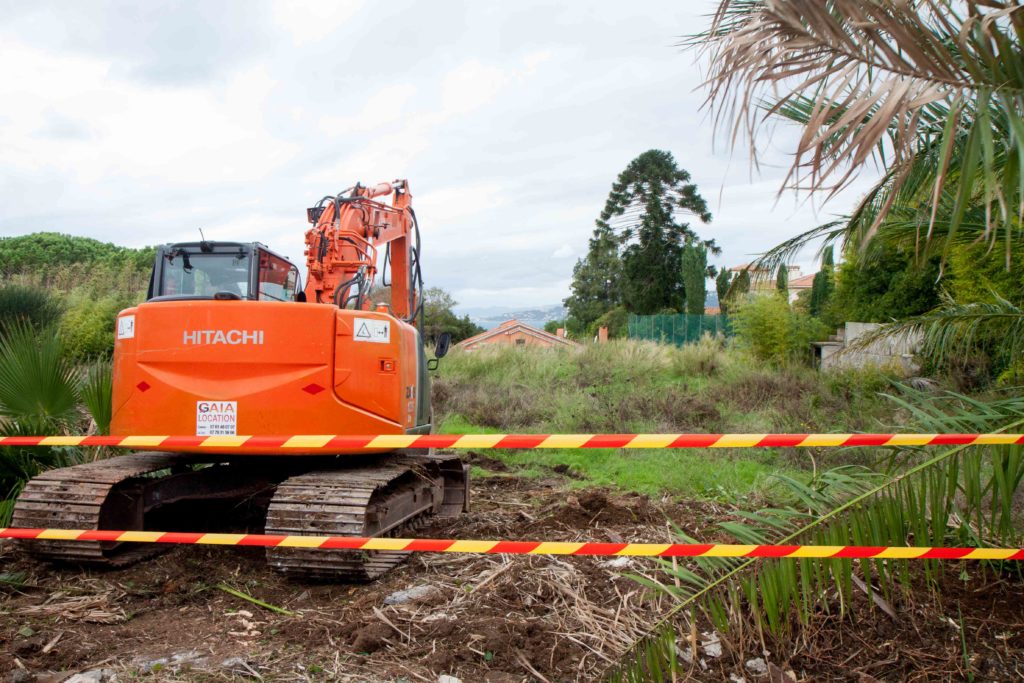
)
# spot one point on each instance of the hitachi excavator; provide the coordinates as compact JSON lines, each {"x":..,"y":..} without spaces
{"x":227,"y":344}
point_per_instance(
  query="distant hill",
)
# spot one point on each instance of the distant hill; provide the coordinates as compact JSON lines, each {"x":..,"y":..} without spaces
{"x":490,"y":317}
{"x":41,"y":251}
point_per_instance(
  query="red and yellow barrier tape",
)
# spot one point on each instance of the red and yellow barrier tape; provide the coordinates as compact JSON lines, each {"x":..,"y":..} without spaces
{"x":434,"y":545}
{"x":326,"y":442}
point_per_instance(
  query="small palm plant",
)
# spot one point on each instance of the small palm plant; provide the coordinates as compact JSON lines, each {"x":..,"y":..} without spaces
{"x":39,"y":392}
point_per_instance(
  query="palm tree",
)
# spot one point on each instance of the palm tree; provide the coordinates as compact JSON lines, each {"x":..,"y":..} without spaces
{"x":931,"y":92}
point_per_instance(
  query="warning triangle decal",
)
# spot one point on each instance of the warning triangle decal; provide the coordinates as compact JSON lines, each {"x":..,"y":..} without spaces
{"x":363,"y":331}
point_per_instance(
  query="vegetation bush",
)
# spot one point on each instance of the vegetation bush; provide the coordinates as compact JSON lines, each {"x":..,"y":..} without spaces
{"x":616,"y":320}
{"x":38,"y":395}
{"x":27,"y":304}
{"x":87,"y":327}
{"x":43,"y":252}
{"x":702,"y":359}
{"x":773,"y":331}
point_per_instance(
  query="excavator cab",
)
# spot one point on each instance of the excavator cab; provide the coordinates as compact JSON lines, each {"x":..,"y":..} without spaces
{"x":222,"y":270}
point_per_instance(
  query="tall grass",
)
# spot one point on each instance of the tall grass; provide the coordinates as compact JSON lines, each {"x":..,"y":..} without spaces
{"x":629,"y":386}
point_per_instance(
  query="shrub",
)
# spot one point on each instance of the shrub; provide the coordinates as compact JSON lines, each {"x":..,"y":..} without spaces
{"x":702,"y":359}
{"x":773,"y":331}
{"x":97,"y":394}
{"x":88,"y":325}
{"x":33,"y":305}
{"x":617,"y":322}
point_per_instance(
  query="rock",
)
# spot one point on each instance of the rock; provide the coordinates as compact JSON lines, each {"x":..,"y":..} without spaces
{"x":735,"y":678}
{"x":445,"y":678}
{"x":21,"y":676}
{"x":757,"y":666}
{"x":94,"y":676}
{"x":410,"y":595}
{"x":711,"y":644}
{"x":617,"y":563}
{"x":234,"y":663}
{"x":239,"y":666}
{"x":190,"y":659}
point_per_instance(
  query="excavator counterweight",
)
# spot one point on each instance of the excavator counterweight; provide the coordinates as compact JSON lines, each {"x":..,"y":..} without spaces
{"x":227,"y":343}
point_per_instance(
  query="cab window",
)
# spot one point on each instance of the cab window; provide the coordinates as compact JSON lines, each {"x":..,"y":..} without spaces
{"x":205,"y":274}
{"x":278,"y":278}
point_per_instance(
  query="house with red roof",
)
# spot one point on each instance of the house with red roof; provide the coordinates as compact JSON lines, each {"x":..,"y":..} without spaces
{"x":515,"y":333}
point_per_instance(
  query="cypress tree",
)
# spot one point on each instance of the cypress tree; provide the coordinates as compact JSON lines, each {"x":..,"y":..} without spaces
{"x":782,"y":281}
{"x":741,"y":285}
{"x":823,"y":284}
{"x":722,"y":283}
{"x":695,"y":272}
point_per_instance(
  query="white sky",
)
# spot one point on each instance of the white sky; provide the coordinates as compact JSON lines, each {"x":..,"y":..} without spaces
{"x":138,"y":123}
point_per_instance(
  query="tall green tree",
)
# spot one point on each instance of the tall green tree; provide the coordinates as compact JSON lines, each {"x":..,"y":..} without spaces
{"x":439,"y":317}
{"x":695,"y":273}
{"x":823,"y":284}
{"x":596,"y":279}
{"x":634,"y":257}
{"x":722,"y":283}
{"x":782,"y":281}
{"x":884,"y":284}
{"x":644,"y":208}
{"x":740,"y":285}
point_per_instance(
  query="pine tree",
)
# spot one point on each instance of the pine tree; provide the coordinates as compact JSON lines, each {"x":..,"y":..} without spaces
{"x":642,"y":211}
{"x":596,"y":279}
{"x":782,"y":281}
{"x":694,"y":259}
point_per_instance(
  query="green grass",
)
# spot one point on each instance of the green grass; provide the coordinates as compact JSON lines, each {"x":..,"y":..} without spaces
{"x":632,"y":387}
{"x":728,"y":474}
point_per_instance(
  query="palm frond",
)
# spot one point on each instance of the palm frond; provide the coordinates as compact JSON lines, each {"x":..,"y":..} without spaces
{"x":97,"y":392}
{"x":38,"y":386}
{"x":953,"y":330}
{"x":963,"y":495}
{"x":932,"y":92}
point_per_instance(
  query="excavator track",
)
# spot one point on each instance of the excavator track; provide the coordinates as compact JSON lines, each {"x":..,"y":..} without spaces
{"x":85,"y":497}
{"x":385,"y":496}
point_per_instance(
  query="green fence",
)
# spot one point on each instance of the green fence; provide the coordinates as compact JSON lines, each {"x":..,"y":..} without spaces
{"x":679,"y":329}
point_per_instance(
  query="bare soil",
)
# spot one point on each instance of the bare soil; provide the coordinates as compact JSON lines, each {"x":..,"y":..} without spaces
{"x":480,"y":618}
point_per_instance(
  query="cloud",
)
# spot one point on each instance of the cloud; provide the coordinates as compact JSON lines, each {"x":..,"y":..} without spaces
{"x":139,"y":123}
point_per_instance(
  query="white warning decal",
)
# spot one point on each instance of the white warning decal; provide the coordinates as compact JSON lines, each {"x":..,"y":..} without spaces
{"x":126,"y":327}
{"x":369,"y":330}
{"x":216,"y":418}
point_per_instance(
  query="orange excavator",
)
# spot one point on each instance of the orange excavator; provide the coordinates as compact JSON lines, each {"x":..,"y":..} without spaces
{"x":227,"y":343}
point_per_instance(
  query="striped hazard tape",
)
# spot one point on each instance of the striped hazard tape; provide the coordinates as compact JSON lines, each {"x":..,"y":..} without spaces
{"x":433,"y":545}
{"x":336,"y":442}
